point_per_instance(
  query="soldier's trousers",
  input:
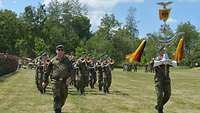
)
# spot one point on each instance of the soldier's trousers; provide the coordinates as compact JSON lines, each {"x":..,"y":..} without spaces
{"x":60,"y":92}
{"x":163,"y":92}
{"x":107,"y":79}
{"x":83,"y":82}
{"x":93,"y":79}
{"x":100,"y":80}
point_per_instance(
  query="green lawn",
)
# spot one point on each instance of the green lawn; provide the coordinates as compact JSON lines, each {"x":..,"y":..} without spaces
{"x":130,"y":93}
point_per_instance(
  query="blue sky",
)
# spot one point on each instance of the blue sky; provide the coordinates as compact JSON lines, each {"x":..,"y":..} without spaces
{"x":146,"y":14}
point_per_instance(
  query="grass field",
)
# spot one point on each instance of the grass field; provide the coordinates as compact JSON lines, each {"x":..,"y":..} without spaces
{"x":130,"y":93}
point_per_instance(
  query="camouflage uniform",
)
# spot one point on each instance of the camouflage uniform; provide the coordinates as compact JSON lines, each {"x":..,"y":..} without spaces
{"x":107,"y":76}
{"x":84,"y":75}
{"x":40,"y":73}
{"x":135,"y":67}
{"x":162,"y":86}
{"x":92,"y":74}
{"x":60,"y":70}
{"x":39,"y":76}
{"x":100,"y":75}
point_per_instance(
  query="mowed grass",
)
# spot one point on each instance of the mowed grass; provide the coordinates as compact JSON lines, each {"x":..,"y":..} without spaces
{"x":131,"y":92}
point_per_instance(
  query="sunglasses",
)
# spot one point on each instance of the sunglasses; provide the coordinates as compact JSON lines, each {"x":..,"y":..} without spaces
{"x":59,"y":49}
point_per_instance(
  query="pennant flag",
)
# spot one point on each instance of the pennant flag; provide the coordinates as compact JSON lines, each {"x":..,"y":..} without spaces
{"x":179,"y":51}
{"x":136,"y":56}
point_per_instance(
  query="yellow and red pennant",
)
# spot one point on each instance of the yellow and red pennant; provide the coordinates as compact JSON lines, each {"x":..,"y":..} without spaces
{"x":179,"y":51}
{"x":137,"y":54}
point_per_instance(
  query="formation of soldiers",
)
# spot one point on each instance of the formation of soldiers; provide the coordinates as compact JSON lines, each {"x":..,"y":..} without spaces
{"x":64,"y":70}
{"x":129,"y":67}
{"x":149,"y":66}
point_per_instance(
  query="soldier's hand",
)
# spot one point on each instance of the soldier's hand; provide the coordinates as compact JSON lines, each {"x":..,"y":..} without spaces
{"x":43,"y":84}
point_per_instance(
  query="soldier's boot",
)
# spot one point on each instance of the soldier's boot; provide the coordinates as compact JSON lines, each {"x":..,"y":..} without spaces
{"x":58,"y":110}
{"x":82,"y":90}
{"x":107,"y":90}
{"x":160,"y":110}
{"x":100,"y":88}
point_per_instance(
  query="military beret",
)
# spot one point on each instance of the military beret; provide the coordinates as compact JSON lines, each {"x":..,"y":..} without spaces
{"x":59,"y":46}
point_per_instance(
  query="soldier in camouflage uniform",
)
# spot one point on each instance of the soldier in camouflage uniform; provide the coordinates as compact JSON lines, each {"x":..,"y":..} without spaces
{"x":59,"y":70}
{"x":135,"y":67}
{"x":83,"y":74}
{"x":39,"y":75}
{"x":162,"y":84}
{"x":40,"y":72}
{"x":107,"y":76}
{"x":92,"y":72}
{"x":100,"y":75}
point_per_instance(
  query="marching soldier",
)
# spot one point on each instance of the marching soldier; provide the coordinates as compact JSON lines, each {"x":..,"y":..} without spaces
{"x":84,"y":75}
{"x":107,"y":76}
{"x":100,"y":75}
{"x":135,"y":67}
{"x":92,"y":73}
{"x":60,"y":68}
{"x":40,"y":73}
{"x":162,"y":83}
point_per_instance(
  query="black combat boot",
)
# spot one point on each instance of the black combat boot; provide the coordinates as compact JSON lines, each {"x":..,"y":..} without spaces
{"x":160,"y":110}
{"x":58,"y":110}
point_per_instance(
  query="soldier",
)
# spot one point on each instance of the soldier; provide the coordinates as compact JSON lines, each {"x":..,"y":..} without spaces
{"x":162,"y":83}
{"x":40,"y":73}
{"x":135,"y":67}
{"x":107,"y":76}
{"x":151,"y":65}
{"x":84,"y":75}
{"x":60,"y":68}
{"x":111,"y":63}
{"x":92,"y":73}
{"x":100,"y":75}
{"x":146,"y":67}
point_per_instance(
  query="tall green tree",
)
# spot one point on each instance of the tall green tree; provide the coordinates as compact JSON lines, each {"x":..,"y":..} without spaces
{"x":191,"y":36}
{"x":108,"y":24}
{"x":123,"y":44}
{"x":131,"y":23}
{"x":9,"y":32}
{"x":81,"y":25}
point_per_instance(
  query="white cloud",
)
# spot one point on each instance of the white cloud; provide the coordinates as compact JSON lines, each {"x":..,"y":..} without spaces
{"x":171,"y":21}
{"x":188,"y":0}
{"x":97,"y":8}
{"x":46,"y":2}
{"x":106,"y":4}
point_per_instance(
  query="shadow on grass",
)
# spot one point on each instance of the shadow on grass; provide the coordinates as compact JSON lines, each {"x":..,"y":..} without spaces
{"x":73,"y":91}
{"x":119,"y":93}
{"x":4,"y":77}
